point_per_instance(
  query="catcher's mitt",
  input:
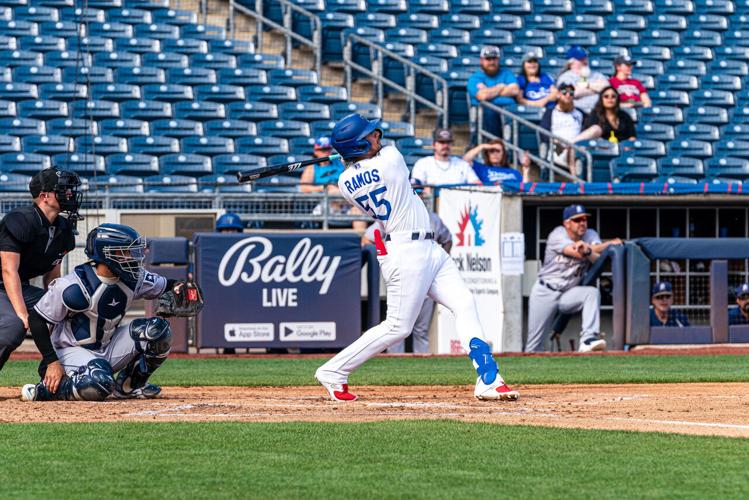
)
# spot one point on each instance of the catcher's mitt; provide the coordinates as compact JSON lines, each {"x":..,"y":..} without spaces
{"x":184,"y":299}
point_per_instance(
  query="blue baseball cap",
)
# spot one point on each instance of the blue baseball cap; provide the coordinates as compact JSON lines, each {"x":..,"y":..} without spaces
{"x":742,"y":289}
{"x":323,"y":142}
{"x":576,"y":52}
{"x":573,"y":211}
{"x":661,"y":288}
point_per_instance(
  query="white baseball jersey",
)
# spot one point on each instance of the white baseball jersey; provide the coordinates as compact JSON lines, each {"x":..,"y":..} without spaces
{"x":433,"y":172}
{"x":85,"y":308}
{"x":380,"y":187}
{"x":559,"y":270}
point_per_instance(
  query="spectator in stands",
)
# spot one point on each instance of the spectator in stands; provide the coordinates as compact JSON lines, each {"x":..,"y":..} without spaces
{"x":494,"y":85}
{"x":740,"y":315}
{"x":609,"y":121}
{"x":587,"y":84}
{"x":632,"y":92}
{"x":535,"y":87}
{"x":495,"y":167}
{"x":442,"y":168}
{"x":315,"y":177}
{"x":662,"y":314}
{"x":565,"y":121}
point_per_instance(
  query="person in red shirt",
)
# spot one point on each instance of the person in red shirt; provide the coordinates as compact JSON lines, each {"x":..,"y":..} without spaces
{"x":632,"y":93}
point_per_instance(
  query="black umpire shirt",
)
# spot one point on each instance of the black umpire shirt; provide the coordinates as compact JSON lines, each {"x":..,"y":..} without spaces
{"x":26,"y":231}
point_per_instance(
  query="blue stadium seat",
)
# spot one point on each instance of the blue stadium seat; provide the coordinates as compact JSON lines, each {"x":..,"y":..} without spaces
{"x":440,"y":50}
{"x":260,"y":61}
{"x":10,"y":144}
{"x":199,"y":110}
{"x":170,"y":184}
{"x":592,"y":21}
{"x":721,"y":82}
{"x":709,"y":97}
{"x":231,"y":47}
{"x":130,"y":16}
{"x":333,"y":25}
{"x":692,"y":148}
{"x":491,"y":36}
{"x":377,"y":20}
{"x":35,"y":14}
{"x":528,"y":36}
{"x":662,"y":37}
{"x":117,"y":184}
{"x":389,"y":6}
{"x":682,"y":7}
{"x":12,"y":58}
{"x":22,"y":126}
{"x":368,"y":110}
{"x":47,"y":144}
{"x":548,"y":22}
{"x":644,"y":147}
{"x":155,"y":146}
{"x":557,"y":7}
{"x":87,"y":74}
{"x":168,"y":93}
{"x":712,"y":22}
{"x":728,"y":167}
{"x":94,"y":110}
{"x":465,"y":63}
{"x":19,"y":28}
{"x":16,"y":183}
{"x":577,"y":37}
{"x":631,"y":168}
{"x":252,"y":111}
{"x":173,"y":16}
{"x":92,"y":44}
{"x":271,"y":93}
{"x":695,"y":52}
{"x":698,"y":131}
{"x":283,"y":128}
{"x":41,"y":43}
{"x":230,"y":128}
{"x":732,"y":147}
{"x":659,"y":53}
{"x":145,"y":110}
{"x":71,"y":127}
{"x":450,"y":36}
{"x":185,"y":46}
{"x":242,"y":76}
{"x":138,"y":45}
{"x":687,"y":67}
{"x":457,"y":98}
{"x":117,"y":60}
{"x":191,"y":76}
{"x":397,"y":130}
{"x":222,"y":184}
{"x":648,"y":67}
{"x":503,"y":20}
{"x":407,"y":35}
{"x":620,"y":37}
{"x":301,"y":145}
{"x":362,"y":54}
{"x":414,"y":145}
{"x":7,"y":109}
{"x":164,"y":60}
{"x":429,"y":6}
{"x":321,"y":127}
{"x":37,"y":75}
{"x":350,"y":6}
{"x":740,"y":115}
{"x":100,"y":144}
{"x":176,"y":128}
{"x":65,"y":58}
{"x":664,"y":21}
{"x":124,"y":128}
{"x":292,"y":77}
{"x":140,"y":75}
{"x":6,"y":13}
{"x":219,"y":93}
{"x":278,"y":184}
{"x":24,"y":163}
{"x":42,"y":109}
{"x":711,"y":115}
{"x":729,"y":67}
{"x":678,"y":82}
{"x":207,"y":145}
{"x":260,"y":145}
{"x":6,"y":75}
{"x":110,"y":30}
{"x":192,"y":165}
{"x":79,"y":15}
{"x":115,"y":92}
{"x":157,"y":31}
{"x":681,"y":167}
{"x":732,"y":52}
{"x":62,"y":29}
{"x":304,"y":111}
{"x":475,"y":7}
{"x":519,"y":7}
{"x":202,"y":32}
{"x":678,"y":98}
{"x":230,"y":164}
{"x":322,"y":94}
{"x":468,"y":22}
{"x":662,"y":114}
{"x":213,"y":61}
{"x":736,"y":131}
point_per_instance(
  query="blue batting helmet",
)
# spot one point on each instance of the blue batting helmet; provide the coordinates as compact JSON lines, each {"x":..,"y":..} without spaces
{"x":348,"y":136}
{"x":121,"y":248}
{"x":229,"y":221}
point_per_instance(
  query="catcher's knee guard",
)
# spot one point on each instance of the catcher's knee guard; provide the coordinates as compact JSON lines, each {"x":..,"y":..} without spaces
{"x":93,"y":381}
{"x":157,"y":334}
{"x":483,"y":361}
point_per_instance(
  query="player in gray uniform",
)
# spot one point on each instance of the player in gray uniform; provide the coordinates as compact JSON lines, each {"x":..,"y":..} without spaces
{"x":570,"y":249}
{"x":84,"y":309}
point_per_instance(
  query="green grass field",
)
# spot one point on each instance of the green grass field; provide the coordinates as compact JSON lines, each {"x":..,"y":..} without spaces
{"x":397,"y":459}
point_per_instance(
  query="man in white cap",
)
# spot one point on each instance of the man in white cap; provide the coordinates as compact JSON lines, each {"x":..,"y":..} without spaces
{"x":493,"y":85}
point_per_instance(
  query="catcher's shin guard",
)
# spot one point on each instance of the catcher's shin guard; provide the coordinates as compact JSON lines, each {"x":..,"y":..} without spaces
{"x":157,"y":333}
{"x":91,"y":382}
{"x":483,"y":361}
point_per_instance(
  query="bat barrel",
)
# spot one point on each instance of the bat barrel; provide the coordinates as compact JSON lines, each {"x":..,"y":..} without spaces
{"x":271,"y":170}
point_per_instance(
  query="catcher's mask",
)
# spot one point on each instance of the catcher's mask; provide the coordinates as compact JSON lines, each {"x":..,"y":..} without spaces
{"x":120,"y":247}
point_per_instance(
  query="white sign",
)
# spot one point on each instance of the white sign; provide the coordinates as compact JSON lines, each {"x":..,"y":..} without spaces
{"x":513,"y":253}
{"x":311,"y":331}
{"x":248,"y":332}
{"x":473,"y":219}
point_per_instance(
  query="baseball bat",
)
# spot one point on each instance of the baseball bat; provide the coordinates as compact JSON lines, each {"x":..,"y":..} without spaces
{"x":271,"y":170}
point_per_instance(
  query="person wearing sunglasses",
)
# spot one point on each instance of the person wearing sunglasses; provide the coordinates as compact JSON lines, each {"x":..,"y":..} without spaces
{"x":632,"y":93}
{"x":740,"y":315}
{"x":588,"y":84}
{"x":537,"y":88}
{"x":662,"y":313}
{"x":494,"y":167}
{"x":608,"y":120}
{"x":566,"y":122}
{"x":570,"y":249}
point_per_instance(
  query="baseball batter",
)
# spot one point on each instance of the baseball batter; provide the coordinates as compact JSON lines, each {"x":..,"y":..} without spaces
{"x":413,"y":265}
{"x":570,"y":249}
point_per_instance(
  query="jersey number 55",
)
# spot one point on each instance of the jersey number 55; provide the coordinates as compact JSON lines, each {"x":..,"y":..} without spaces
{"x":380,"y":203}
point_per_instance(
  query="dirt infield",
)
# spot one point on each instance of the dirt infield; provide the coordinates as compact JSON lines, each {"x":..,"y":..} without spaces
{"x":703,"y":408}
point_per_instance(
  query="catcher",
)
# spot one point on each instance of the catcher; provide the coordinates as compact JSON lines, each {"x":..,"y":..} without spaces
{"x":76,"y":324}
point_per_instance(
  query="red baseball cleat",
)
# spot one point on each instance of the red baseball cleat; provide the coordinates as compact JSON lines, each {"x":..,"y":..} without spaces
{"x":497,"y":390}
{"x":338,"y":392}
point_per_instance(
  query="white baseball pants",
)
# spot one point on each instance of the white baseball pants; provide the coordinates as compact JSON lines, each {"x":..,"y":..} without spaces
{"x":411,"y":270}
{"x":118,"y":353}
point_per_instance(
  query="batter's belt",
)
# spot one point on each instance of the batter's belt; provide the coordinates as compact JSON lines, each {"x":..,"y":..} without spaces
{"x":402,"y":236}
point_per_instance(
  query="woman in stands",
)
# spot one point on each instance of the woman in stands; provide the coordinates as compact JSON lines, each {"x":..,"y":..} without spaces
{"x":536,"y":88}
{"x":496,"y":168}
{"x":608,"y":120}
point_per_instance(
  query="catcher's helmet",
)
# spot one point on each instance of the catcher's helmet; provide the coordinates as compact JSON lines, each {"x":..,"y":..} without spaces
{"x":229,"y":222}
{"x":348,"y":136}
{"x":120,"y":247}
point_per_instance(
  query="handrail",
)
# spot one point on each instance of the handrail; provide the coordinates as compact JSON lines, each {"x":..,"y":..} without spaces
{"x":410,"y":93}
{"x":285,"y":29}
{"x":554,"y":168}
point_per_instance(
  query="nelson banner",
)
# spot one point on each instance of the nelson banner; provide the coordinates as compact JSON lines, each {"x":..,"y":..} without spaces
{"x":270,"y":289}
{"x":473,"y":219}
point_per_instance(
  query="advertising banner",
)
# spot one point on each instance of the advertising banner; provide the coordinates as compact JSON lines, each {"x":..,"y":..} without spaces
{"x":473,"y":219}
{"x":284,"y":290}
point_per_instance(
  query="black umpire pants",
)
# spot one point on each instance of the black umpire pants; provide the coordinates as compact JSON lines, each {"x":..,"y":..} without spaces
{"x":12,"y":331}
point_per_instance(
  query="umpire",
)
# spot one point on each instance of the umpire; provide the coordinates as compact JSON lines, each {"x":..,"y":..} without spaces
{"x":33,"y":241}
